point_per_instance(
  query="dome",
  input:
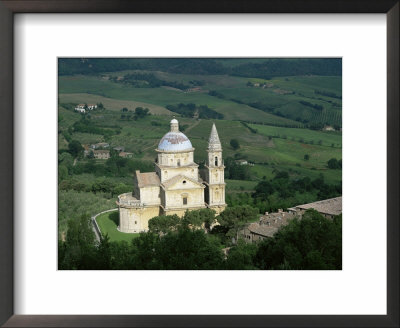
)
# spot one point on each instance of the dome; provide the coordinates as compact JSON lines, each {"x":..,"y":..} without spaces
{"x":174,"y":141}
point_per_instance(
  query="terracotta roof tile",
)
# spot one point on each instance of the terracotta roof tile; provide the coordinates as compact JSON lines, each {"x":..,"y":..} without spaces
{"x":332,"y":206}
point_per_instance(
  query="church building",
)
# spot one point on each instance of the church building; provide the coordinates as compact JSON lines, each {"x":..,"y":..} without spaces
{"x":177,"y":185}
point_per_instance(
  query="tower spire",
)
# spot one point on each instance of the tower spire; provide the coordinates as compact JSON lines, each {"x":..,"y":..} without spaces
{"x":213,"y":141}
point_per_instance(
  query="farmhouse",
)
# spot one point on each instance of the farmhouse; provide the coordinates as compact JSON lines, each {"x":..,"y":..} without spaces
{"x":119,"y":149}
{"x":100,"y":145}
{"x":82,"y":107}
{"x":125,"y":154}
{"x":101,"y":154}
{"x":176,"y":186}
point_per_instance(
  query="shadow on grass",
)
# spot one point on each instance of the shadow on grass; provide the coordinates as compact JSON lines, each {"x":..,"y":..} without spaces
{"x":114,"y":216}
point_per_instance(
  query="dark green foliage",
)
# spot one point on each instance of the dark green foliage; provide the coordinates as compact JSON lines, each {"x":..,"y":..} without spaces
{"x":200,"y":218}
{"x":265,"y":68}
{"x":188,"y":250}
{"x":306,"y":157}
{"x":191,"y":110}
{"x":315,"y":106}
{"x":234,"y":144}
{"x":283,"y":187}
{"x":141,"y":112}
{"x":79,"y":250}
{"x":192,"y":219}
{"x":75,"y":148}
{"x":115,"y":166}
{"x":164,"y":223}
{"x":235,"y":218}
{"x":327,"y":94}
{"x":335,"y":164}
{"x":312,"y":243}
{"x":241,"y":257}
{"x":145,"y":80}
{"x":86,"y":125}
{"x":236,"y":171}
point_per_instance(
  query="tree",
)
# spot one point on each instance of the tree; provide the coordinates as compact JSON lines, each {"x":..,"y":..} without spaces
{"x":306,"y":157}
{"x":121,"y":188}
{"x":234,"y":144}
{"x":200,"y":218}
{"x":75,"y":148}
{"x":79,"y":250}
{"x":140,"y":112}
{"x":124,"y":109}
{"x":334,"y":164}
{"x":164,"y":223}
{"x":241,"y":257}
{"x":188,"y":250}
{"x":62,"y":173}
{"x":235,"y":218}
{"x":66,"y":159}
{"x":312,"y":243}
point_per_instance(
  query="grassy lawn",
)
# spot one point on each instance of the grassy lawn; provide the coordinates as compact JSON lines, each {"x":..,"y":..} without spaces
{"x":108,"y":223}
{"x":239,"y":185}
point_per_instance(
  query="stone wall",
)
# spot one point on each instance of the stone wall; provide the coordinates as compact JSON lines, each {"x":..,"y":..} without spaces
{"x":174,"y":198}
{"x":134,"y":220}
{"x":150,"y":195}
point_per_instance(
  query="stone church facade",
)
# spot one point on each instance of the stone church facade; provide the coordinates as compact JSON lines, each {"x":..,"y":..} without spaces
{"x":177,"y":185}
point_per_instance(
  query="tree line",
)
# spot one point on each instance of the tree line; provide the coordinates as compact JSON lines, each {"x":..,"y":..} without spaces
{"x":264,"y":68}
{"x":192,"y":110}
{"x":312,"y":243}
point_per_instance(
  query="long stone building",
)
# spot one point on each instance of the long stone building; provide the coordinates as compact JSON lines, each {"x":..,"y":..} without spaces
{"x":270,"y":223}
{"x":176,"y":185}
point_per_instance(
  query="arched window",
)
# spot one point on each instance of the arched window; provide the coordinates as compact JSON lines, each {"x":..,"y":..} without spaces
{"x":216,"y":161}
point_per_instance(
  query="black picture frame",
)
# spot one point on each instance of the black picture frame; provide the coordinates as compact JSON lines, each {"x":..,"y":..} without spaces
{"x":10,"y":7}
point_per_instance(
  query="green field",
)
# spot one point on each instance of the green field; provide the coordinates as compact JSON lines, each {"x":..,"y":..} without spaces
{"x":108,"y":223}
{"x":86,"y":89}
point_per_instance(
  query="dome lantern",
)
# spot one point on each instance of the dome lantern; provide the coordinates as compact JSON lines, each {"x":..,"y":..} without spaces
{"x":174,"y":125}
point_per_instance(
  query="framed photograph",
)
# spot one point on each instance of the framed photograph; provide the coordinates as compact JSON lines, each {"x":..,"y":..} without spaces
{"x":185,"y":164}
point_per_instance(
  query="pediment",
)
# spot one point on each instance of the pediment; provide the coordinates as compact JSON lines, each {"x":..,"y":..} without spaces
{"x":181,"y":182}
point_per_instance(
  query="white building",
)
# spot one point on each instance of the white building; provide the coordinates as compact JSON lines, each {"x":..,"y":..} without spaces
{"x":176,"y":185}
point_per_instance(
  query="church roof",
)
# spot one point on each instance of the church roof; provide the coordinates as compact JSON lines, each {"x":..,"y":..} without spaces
{"x":147,"y":179}
{"x":174,"y":140}
{"x":213,"y":141}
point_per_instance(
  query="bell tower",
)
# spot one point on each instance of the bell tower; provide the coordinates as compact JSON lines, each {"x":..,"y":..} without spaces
{"x":214,"y":175}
